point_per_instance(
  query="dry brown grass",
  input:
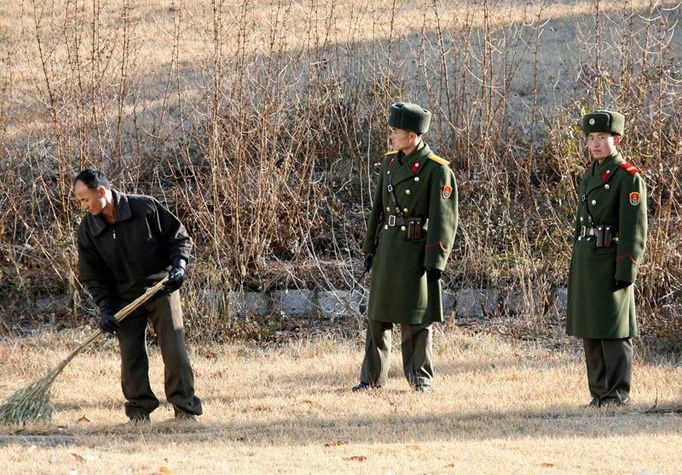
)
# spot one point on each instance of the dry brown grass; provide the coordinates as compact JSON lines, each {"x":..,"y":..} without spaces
{"x":498,"y":407}
{"x":258,"y":123}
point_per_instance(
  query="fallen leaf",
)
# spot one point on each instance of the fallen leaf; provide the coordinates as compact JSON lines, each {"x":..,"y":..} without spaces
{"x":547,"y":464}
{"x":164,"y":469}
{"x":357,"y":458}
{"x":450,"y":465}
{"x":335,"y":443}
{"x":83,"y":418}
{"x":84,"y":458}
{"x":414,"y":447}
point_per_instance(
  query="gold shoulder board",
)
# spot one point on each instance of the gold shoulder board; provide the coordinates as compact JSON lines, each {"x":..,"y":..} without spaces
{"x":390,"y":152}
{"x":437,"y":159}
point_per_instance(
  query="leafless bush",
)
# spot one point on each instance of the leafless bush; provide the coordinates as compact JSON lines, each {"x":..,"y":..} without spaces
{"x":260,"y":124}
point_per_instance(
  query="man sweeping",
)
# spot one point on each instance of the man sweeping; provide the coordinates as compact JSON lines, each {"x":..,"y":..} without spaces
{"x":127,"y":243}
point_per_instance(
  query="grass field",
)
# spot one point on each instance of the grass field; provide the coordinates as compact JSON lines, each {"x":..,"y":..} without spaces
{"x":497,"y":407}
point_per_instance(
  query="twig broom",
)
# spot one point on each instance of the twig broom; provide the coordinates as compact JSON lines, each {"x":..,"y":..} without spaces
{"x":32,"y":403}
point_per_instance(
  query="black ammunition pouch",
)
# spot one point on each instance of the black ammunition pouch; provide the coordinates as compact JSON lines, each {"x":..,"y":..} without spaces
{"x":414,"y":228}
{"x":603,"y":234}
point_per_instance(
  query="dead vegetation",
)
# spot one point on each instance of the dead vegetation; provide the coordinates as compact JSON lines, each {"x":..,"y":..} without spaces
{"x":499,"y":406}
{"x":259,"y":124}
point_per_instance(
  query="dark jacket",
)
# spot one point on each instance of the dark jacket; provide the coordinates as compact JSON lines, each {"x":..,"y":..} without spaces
{"x":118,"y":261}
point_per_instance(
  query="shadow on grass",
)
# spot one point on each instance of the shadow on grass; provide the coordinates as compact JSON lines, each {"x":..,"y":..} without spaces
{"x":557,"y":422}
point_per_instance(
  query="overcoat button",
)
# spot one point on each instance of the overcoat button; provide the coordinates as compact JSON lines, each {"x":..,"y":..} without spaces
{"x":388,"y":209}
{"x":407,"y":192}
{"x":402,"y":228}
{"x":606,"y":187}
{"x":594,"y":202}
{"x":405,"y":210}
{"x":416,"y":178}
{"x":385,"y":226}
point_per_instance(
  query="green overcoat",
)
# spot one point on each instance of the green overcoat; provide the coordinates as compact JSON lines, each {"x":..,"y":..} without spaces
{"x":424,"y":186}
{"x":612,"y":193}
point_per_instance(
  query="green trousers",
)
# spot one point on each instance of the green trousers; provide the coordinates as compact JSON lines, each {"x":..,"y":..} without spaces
{"x":165,"y":314}
{"x":416,"y":349}
{"x":609,"y":368}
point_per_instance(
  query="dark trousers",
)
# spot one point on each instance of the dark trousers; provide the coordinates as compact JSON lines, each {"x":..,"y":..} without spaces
{"x":416,"y":349}
{"x":609,"y":368}
{"x":165,"y":314}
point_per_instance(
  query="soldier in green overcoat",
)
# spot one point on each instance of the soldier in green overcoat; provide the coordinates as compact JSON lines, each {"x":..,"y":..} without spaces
{"x":609,"y":240}
{"x":410,"y":233}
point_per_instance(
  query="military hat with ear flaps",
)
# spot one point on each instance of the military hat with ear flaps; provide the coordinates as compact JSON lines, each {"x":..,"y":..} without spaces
{"x":408,"y":116}
{"x":604,"y":121}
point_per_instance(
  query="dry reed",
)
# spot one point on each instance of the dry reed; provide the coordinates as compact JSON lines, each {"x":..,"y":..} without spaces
{"x":259,"y":124}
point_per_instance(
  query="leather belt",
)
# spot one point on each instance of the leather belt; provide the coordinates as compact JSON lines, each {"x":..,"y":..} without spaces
{"x":588,"y":231}
{"x":394,"y":220}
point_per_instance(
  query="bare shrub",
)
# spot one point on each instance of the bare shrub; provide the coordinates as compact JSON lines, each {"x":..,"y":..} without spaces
{"x":259,"y":124}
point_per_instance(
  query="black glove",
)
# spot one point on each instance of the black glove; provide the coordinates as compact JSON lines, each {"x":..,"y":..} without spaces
{"x":107,"y":320}
{"x":368,"y":262}
{"x":621,"y":284}
{"x":432,"y":275}
{"x":176,"y":276}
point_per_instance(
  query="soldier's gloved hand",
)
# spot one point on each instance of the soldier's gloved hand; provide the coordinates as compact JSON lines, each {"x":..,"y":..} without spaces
{"x":621,"y":284}
{"x":177,"y":275}
{"x":432,"y":275}
{"x":368,"y":262}
{"x":107,"y":320}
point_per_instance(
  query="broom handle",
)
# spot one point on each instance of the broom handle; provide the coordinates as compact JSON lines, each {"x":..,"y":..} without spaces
{"x":120,"y":315}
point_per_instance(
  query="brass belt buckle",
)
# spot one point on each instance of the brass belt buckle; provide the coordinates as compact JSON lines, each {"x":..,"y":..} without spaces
{"x":391,"y":220}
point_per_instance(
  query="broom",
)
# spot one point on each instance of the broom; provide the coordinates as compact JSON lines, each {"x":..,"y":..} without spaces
{"x":32,"y":403}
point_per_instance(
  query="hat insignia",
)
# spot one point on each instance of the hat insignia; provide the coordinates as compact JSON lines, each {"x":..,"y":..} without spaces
{"x":592,"y":121}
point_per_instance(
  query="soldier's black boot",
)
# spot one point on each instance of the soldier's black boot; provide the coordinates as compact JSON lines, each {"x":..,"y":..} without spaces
{"x":361,"y":387}
{"x":184,"y":416}
{"x":138,"y":419}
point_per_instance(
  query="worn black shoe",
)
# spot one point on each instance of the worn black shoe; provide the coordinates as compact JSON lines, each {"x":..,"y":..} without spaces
{"x":184,"y":416}
{"x":361,"y":387}
{"x":139,"y":419}
{"x":614,"y":402}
